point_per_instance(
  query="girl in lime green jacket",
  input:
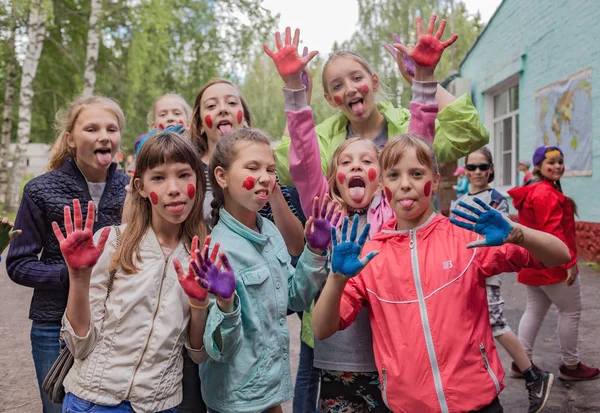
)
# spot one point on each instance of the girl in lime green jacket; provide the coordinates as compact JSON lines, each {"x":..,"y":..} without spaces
{"x":458,"y":128}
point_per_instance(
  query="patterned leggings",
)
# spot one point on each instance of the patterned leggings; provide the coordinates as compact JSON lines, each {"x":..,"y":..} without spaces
{"x":348,"y":392}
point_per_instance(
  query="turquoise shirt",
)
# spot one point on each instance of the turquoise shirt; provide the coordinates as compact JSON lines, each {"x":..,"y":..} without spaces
{"x":251,"y":372}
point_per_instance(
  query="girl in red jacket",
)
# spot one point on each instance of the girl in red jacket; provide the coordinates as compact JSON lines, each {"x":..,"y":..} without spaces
{"x":425,"y":291}
{"x":542,"y":206}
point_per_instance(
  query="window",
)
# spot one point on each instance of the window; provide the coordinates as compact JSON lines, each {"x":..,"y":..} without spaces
{"x":505,"y":134}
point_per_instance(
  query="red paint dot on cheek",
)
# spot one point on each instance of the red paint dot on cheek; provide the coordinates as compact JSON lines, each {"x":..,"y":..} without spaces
{"x":388,"y":193}
{"x":341,"y":177}
{"x":153,"y":198}
{"x":372,"y":174}
{"x":240,"y":116}
{"x":249,"y":183}
{"x":469,"y":176}
{"x":338,"y":100}
{"x":208,"y":121}
{"x":191,"y":190}
{"x":549,"y":170}
{"x":364,"y":89}
{"x":427,"y":189}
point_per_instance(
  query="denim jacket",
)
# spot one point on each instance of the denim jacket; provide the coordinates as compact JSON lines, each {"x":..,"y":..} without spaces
{"x":250,"y":370}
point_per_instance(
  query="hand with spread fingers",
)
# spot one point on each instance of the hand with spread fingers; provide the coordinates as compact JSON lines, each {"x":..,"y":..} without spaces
{"x":188,"y":280}
{"x":78,"y":247}
{"x":496,"y":229}
{"x":318,"y":227}
{"x":429,"y":48}
{"x":288,"y":62}
{"x":345,"y":256}
{"x":405,"y":64}
{"x":7,"y":234}
{"x":220,"y":283}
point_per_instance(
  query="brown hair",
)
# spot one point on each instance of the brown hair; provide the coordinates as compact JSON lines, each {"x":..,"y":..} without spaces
{"x":334,"y":193}
{"x":65,"y":122}
{"x":162,"y":148}
{"x":198,"y":138}
{"x":151,"y":116}
{"x":537,"y":172}
{"x":345,"y":53}
{"x":224,"y":155}
{"x":395,"y":149}
{"x":484,"y":150}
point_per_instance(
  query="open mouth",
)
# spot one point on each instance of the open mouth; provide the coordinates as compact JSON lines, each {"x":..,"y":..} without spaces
{"x":104,"y":156}
{"x":356,"y":188}
{"x":224,"y":127}
{"x":262,"y":193}
{"x":407,"y":203}
{"x":357,"y":106}
{"x":175,"y":207}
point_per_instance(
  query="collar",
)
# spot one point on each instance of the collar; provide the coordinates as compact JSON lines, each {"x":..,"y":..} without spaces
{"x":406,"y":231}
{"x":240,"y":229}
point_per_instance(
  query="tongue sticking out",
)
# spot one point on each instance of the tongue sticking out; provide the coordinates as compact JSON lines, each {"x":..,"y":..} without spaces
{"x":407,"y":203}
{"x":358,"y":109}
{"x":104,"y":158}
{"x":357,"y":193}
{"x":225,"y":129}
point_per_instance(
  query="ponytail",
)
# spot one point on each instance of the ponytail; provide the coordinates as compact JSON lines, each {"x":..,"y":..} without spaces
{"x":216,"y":204}
{"x":571,"y":200}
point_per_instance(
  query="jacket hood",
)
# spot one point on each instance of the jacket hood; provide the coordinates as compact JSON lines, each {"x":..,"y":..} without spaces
{"x":519,"y":194}
{"x":539,"y":188}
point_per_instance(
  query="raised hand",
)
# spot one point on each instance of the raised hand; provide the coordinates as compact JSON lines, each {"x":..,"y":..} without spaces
{"x":179,"y":129}
{"x":406,"y":66}
{"x":188,"y":280}
{"x":287,"y":61}
{"x":344,"y":259}
{"x":428,"y":51}
{"x":220,"y":283}
{"x":490,"y":223}
{"x":78,"y":247}
{"x":318,"y":227}
{"x":7,"y":234}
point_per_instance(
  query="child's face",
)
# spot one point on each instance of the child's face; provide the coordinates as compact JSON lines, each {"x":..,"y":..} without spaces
{"x":250,"y":179}
{"x":169,"y":111}
{"x":553,"y":168}
{"x":96,"y":138}
{"x":221,"y":111}
{"x":478,"y":178}
{"x":523,"y":168}
{"x":351,"y":88}
{"x":358,"y":174}
{"x":409,"y":186}
{"x":171,"y":190}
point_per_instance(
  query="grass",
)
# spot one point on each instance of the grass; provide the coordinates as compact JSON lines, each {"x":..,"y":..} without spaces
{"x":12,"y":215}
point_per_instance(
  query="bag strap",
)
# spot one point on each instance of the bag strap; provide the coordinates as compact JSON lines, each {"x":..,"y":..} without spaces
{"x":114,"y":271}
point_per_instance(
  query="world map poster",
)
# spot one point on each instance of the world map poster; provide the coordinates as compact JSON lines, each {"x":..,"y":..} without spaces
{"x":563,"y":112}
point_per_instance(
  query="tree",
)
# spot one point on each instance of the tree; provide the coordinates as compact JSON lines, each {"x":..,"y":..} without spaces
{"x":93,"y":46}
{"x":36,"y":32}
{"x":7,"y":112}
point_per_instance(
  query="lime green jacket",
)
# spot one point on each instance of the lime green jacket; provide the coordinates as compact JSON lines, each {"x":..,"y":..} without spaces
{"x":458,"y":132}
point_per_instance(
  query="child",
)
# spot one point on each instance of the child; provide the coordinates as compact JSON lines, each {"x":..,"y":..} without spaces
{"x":220,"y":109}
{"x":81,"y":167}
{"x":424,"y":291}
{"x":7,"y":234}
{"x":459,"y":130}
{"x":248,"y":343}
{"x":126,"y":329}
{"x":524,"y":166}
{"x":169,"y":110}
{"x":543,"y":206}
{"x":480,"y":172}
{"x":462,"y":184}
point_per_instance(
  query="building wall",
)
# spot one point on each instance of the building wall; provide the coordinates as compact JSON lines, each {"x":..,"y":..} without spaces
{"x":540,"y":42}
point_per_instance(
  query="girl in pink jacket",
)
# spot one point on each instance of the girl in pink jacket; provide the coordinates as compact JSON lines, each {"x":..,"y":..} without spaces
{"x":425,"y":291}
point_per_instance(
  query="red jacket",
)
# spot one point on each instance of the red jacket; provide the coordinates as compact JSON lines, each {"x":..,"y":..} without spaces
{"x":541,"y":206}
{"x":428,"y":308}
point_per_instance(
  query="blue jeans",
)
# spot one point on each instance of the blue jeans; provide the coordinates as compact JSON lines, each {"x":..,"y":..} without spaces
{"x":74,"y":404}
{"x":45,"y":347}
{"x":306,"y":390}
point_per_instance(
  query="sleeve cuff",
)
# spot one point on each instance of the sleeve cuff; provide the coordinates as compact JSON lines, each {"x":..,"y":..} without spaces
{"x":424,"y":92}
{"x":64,"y":277}
{"x":228,"y":319}
{"x":68,"y":328}
{"x":294,"y":100}
{"x":197,"y":355}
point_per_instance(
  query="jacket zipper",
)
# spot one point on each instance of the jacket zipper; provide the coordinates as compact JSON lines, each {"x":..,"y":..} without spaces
{"x":137,"y":367}
{"x":486,"y":365}
{"x":435,"y":368}
{"x":384,"y":387}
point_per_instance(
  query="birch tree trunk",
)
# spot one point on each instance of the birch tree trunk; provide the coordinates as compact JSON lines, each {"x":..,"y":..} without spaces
{"x":9,"y":98}
{"x":36,"y":32}
{"x":93,"y":47}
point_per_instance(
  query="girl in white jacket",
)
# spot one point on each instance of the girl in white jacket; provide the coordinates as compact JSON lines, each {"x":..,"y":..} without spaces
{"x":127,"y":317}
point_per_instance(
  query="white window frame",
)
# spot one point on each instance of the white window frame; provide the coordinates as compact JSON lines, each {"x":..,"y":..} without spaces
{"x":490,"y":121}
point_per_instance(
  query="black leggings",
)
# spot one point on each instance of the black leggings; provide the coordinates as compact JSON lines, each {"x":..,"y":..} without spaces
{"x":493,"y":407}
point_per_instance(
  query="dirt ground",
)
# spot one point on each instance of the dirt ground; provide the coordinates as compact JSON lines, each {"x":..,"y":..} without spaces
{"x":19,"y":393}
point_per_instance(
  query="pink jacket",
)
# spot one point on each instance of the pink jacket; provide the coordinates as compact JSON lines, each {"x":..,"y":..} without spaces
{"x":428,"y":308}
{"x":305,"y":159}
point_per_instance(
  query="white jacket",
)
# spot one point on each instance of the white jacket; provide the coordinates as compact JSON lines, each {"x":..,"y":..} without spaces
{"x":134,"y":351}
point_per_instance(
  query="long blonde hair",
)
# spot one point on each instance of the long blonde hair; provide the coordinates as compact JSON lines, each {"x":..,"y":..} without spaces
{"x":65,"y":122}
{"x":163,"y":148}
